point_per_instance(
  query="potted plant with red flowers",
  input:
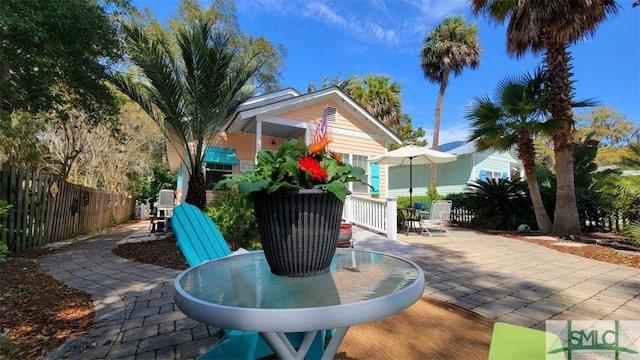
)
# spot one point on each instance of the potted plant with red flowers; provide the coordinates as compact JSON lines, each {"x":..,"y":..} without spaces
{"x":298,"y":194}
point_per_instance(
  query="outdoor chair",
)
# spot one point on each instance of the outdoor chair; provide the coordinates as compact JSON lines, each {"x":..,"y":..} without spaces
{"x":518,"y":342}
{"x":200,"y":240}
{"x":440,"y":213}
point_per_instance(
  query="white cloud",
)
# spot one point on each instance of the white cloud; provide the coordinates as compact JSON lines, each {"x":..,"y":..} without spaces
{"x":454,"y":133}
{"x":379,"y":22}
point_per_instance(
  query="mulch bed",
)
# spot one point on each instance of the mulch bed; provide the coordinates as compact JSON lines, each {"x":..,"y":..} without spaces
{"x":39,"y":313}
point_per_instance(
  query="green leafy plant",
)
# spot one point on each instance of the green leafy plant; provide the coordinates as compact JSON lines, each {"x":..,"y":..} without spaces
{"x":236,"y":222}
{"x":4,"y":248}
{"x":500,"y":204}
{"x":296,"y":166}
{"x":147,"y":189}
{"x":633,"y":232}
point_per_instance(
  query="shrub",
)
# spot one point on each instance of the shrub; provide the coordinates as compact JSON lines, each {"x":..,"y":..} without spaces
{"x":4,"y":248}
{"x":633,"y":232}
{"x":500,"y":204}
{"x":235,"y":221}
{"x":403,"y":201}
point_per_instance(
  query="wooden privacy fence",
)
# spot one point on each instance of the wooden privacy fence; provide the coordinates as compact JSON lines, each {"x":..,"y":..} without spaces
{"x":45,"y":210}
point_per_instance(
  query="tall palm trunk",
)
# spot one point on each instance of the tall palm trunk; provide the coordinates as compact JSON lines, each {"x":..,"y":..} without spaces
{"x":566,"y":220}
{"x":526,"y":153}
{"x":197,"y":193}
{"x":436,"y":129}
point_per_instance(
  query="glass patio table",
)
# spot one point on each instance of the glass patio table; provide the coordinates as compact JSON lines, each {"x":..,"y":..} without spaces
{"x":240,"y":292}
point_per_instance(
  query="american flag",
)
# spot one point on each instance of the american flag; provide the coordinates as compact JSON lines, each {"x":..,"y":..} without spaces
{"x":321,"y":131}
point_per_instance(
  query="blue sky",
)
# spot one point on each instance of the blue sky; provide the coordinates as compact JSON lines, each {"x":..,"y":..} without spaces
{"x":345,"y":38}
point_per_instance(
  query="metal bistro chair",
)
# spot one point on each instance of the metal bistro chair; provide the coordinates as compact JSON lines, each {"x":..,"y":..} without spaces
{"x":440,"y":212}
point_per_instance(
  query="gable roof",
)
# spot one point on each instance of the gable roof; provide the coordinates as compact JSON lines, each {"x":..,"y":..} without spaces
{"x":289,"y":99}
{"x":450,"y":145}
{"x":458,"y":147}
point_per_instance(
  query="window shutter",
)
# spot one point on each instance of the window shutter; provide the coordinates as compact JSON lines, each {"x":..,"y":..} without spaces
{"x":484,"y":175}
{"x":332,"y":114}
{"x":375,"y":179}
{"x":505,"y":176}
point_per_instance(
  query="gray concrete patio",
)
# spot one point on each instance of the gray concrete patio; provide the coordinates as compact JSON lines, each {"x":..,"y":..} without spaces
{"x":500,"y":278}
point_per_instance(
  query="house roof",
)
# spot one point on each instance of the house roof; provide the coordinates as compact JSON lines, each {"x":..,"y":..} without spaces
{"x":279,"y":102}
{"x":458,"y":147}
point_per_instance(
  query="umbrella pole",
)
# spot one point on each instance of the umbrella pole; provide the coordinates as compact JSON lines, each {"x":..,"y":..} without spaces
{"x":410,"y":182}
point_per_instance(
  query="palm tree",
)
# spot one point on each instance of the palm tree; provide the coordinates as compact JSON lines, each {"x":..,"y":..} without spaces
{"x":190,"y":92}
{"x":448,"y":49}
{"x":549,"y":27}
{"x":517,"y":112}
{"x":378,"y":95}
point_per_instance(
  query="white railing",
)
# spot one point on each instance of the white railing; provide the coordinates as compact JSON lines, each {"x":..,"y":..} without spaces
{"x":376,"y":215}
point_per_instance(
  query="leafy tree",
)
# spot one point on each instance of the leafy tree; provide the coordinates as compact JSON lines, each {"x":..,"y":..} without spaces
{"x":550,"y":27}
{"x":448,"y":49}
{"x":146,"y":189}
{"x":378,"y":95}
{"x":102,"y":155}
{"x":222,"y":15}
{"x":19,"y":142}
{"x":405,"y":131}
{"x":613,"y":130}
{"x":344,"y":85}
{"x":516,"y":114}
{"x":633,"y":159}
{"x":189,"y":93}
{"x":57,"y":48}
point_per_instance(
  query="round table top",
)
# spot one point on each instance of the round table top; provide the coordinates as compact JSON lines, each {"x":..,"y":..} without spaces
{"x":240,"y":292}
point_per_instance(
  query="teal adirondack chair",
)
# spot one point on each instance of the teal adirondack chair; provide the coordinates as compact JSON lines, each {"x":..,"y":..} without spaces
{"x":200,"y":240}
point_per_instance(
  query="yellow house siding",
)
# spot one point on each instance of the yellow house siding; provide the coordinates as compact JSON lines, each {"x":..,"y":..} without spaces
{"x":348,"y":134}
{"x":313,"y":114}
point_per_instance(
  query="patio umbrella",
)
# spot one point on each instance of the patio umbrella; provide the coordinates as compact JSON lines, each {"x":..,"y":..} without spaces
{"x":411,"y":155}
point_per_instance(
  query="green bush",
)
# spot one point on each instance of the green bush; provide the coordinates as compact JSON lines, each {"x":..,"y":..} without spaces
{"x":236,"y":222}
{"x":500,"y":204}
{"x":403,"y":201}
{"x":4,"y":248}
{"x":633,"y":232}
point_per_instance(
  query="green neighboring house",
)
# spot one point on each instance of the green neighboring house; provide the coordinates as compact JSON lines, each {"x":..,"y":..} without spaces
{"x":453,"y":177}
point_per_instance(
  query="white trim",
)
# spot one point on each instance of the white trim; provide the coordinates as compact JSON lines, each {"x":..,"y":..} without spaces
{"x":311,"y":126}
{"x":273,"y":95}
{"x":315,"y":97}
{"x":287,"y":122}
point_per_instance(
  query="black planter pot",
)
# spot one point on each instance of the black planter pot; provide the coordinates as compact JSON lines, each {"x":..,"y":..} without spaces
{"x":299,"y":231}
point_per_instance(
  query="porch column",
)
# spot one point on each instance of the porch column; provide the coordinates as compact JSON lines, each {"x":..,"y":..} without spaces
{"x":258,"y":137}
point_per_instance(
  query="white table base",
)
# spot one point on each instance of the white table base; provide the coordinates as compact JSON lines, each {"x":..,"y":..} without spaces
{"x":282,"y":347}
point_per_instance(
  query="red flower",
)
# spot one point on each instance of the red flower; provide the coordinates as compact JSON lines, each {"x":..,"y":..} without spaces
{"x":312,"y":166}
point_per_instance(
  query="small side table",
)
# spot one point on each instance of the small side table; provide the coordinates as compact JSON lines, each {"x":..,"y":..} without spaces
{"x":362,"y":286}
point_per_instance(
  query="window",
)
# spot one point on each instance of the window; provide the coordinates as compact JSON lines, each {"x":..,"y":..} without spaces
{"x":360,"y":161}
{"x":484,"y":175}
{"x":215,"y":173}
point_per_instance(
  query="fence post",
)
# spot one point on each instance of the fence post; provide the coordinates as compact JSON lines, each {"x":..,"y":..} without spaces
{"x":392,"y":218}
